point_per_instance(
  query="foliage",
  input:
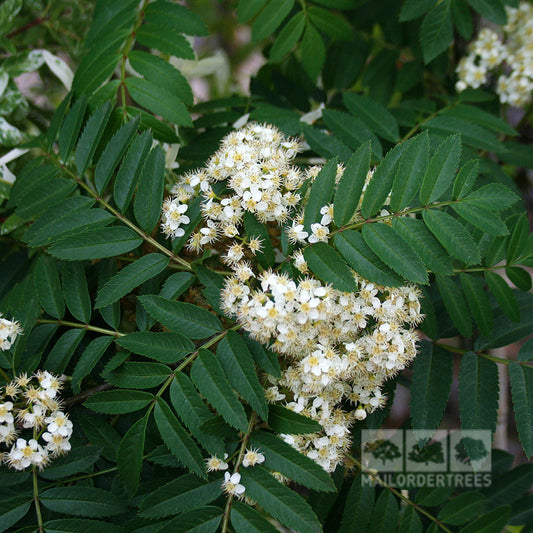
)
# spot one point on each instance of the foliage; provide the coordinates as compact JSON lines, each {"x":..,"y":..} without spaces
{"x":164,"y":386}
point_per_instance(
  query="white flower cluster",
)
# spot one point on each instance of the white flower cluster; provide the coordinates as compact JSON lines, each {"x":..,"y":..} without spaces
{"x":255,"y":163}
{"x":231,"y":483}
{"x":8,"y":332}
{"x":510,"y":57}
{"x":32,"y":403}
{"x":341,"y":346}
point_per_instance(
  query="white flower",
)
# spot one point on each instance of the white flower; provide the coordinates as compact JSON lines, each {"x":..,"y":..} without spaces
{"x":6,"y":416}
{"x":232,"y":486}
{"x":59,"y":423}
{"x":252,"y":457}
{"x":319,"y":233}
{"x":214,"y":463}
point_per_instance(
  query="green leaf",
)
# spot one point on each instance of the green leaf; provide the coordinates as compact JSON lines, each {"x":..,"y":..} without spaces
{"x":328,"y":265}
{"x":452,"y":235}
{"x":510,"y":485}
{"x":96,"y":244}
{"x":436,"y":32}
{"x":185,"y":318}
{"x":281,"y":457}
{"x":201,"y":520}
{"x":520,"y":277}
{"x":91,"y":136}
{"x":180,"y":495}
{"x":503,"y":294}
{"x":163,"y":347}
{"x":283,"y":420}
{"x":245,"y":519}
{"x":266,"y":257}
{"x":478,"y":392}
{"x":410,"y":522}
{"x":413,"y":9}
{"x":363,"y":260}
{"x":380,"y":184}
{"x":12,"y":510}
{"x":526,"y":351}
{"x":280,"y":501}
{"x":492,"y":522}
{"x":177,"y":17}
{"x":481,"y":117}
{"x":70,"y":130}
{"x":414,"y":232}
{"x":385,"y":513}
{"x":466,"y":177}
{"x":239,"y":367}
{"x":462,"y":508}
{"x":350,"y":186}
{"x":493,"y":10}
{"x":320,"y":193}
{"x":159,"y":101}
{"x":313,"y":52}
{"x":351,"y":131}
{"x":263,"y":357}
{"x":479,"y":303}
{"x":128,"y":174}
{"x":518,"y":239}
{"x":209,"y":378}
{"x":270,"y":18}
{"x":82,"y":501}
{"x":149,"y":197}
{"x":411,"y":168}
{"x":287,"y":38}
{"x":455,"y":305}
{"x":44,"y":195}
{"x":176,"y":284}
{"x":138,"y":375}
{"x":471,"y":134}
{"x":327,"y":146}
{"x":332,"y":24}
{"x":177,"y":439}
{"x":130,"y":455}
{"x":248,"y":9}
{"x":494,"y":197}
{"x":113,"y":152}
{"x":63,"y":350}
{"x":395,"y":252}
{"x":521,"y":378}
{"x":168,"y":42}
{"x":79,"y":459}
{"x":378,"y":118}
{"x":48,"y":286}
{"x":193,"y":413}
{"x":88,"y":360}
{"x":115,"y":402}
{"x":81,"y":525}
{"x":440,"y":172}
{"x":485,"y":220}
{"x":161,"y":73}
{"x":129,"y":277}
{"x":430,"y":388}
{"x":76,"y":291}
{"x":358,"y":507}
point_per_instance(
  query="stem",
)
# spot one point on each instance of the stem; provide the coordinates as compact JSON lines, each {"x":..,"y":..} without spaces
{"x":40,"y":525}
{"x":81,"y":326}
{"x":462,"y":351}
{"x":416,"y":127}
{"x":125,"y":52}
{"x":242,"y":450}
{"x":397,"y":493}
{"x":85,"y":394}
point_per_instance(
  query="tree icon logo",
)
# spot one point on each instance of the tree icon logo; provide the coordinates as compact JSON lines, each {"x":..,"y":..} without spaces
{"x":430,"y":453}
{"x":469,"y":450}
{"x":383,"y":450}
